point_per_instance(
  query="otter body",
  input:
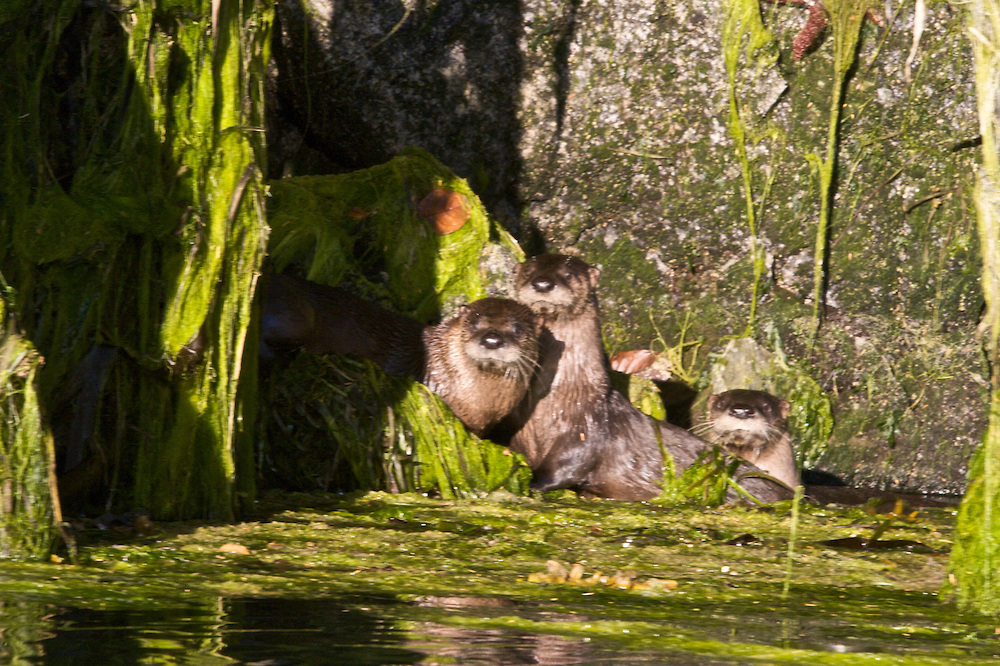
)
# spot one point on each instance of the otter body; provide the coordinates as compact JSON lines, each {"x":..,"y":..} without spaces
{"x":577,"y":431}
{"x":753,"y":425}
{"x":479,"y":362}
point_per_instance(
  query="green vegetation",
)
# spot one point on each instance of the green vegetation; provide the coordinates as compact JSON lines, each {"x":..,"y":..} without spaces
{"x":846,"y":17}
{"x":132,"y":219}
{"x":975,"y":563}
{"x":742,"y":22}
{"x":336,"y":423}
{"x":729,"y":566}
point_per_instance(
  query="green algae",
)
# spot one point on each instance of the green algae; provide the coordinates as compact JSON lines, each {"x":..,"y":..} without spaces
{"x":410,"y":550}
{"x":846,"y":17}
{"x":363,"y":429}
{"x":975,"y":564}
{"x":742,"y":22}
{"x":133,"y":219}
{"x":29,"y":502}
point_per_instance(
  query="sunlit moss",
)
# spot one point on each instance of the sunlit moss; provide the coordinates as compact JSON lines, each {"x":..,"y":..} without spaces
{"x":29,"y":509}
{"x":143,"y":231}
{"x":341,"y":424}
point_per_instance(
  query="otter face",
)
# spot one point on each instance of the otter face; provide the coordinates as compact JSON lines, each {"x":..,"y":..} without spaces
{"x":501,"y":336}
{"x":555,"y":284}
{"x":746,"y":413}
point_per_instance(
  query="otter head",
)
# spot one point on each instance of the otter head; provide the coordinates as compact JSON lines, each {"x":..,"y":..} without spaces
{"x":500,"y":336}
{"x":556,"y":284}
{"x":742,"y":414}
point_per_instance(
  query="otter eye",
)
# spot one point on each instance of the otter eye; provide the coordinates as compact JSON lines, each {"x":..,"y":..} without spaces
{"x":516,"y":328}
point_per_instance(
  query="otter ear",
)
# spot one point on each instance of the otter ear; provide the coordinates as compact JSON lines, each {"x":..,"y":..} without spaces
{"x":595,"y":275}
{"x":785,"y":408}
{"x":712,"y":399}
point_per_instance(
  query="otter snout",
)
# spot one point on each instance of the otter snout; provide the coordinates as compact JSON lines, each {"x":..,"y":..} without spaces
{"x":742,"y":411}
{"x":491,"y":339}
{"x":543,"y":284}
{"x":493,"y":349}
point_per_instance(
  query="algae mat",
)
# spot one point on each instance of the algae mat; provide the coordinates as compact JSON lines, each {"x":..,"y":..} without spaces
{"x":380,"y":578}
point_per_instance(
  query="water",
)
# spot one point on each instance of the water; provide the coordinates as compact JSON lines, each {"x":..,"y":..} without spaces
{"x":277,"y":632}
{"x":363,"y":631}
{"x":400,"y":579}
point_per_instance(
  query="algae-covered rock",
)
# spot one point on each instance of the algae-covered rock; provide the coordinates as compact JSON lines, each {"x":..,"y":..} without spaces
{"x":131,"y":217}
{"x":340,"y":423}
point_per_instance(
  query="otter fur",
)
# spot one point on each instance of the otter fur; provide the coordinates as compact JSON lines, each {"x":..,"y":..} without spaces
{"x":479,"y":361}
{"x":753,"y":425}
{"x":575,"y":429}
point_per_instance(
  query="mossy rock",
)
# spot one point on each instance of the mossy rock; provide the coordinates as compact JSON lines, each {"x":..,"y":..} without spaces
{"x":336,"y":423}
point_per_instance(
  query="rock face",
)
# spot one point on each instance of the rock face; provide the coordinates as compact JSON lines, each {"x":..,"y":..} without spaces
{"x":605,"y":129}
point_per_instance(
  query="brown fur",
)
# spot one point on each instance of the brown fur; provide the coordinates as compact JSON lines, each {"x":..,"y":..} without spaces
{"x":576,"y":430}
{"x":480,"y":361}
{"x":753,"y":425}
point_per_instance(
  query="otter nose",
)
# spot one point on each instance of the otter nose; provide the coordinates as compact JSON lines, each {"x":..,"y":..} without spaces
{"x":543,"y":284}
{"x":491,"y":340}
{"x":741,"y":411}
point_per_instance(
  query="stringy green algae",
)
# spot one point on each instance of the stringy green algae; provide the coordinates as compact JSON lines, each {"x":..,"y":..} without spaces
{"x":743,"y":22}
{"x":133,"y":218}
{"x":333,"y":414}
{"x":975,"y":563}
{"x":29,"y":510}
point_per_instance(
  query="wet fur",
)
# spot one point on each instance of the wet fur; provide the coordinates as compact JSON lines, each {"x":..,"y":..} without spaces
{"x":479,"y":362}
{"x":753,"y":426}
{"x":576,"y":430}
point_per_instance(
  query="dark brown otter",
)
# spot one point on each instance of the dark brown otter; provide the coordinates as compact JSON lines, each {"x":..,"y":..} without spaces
{"x":576,"y":430}
{"x":753,"y":425}
{"x":480,"y":361}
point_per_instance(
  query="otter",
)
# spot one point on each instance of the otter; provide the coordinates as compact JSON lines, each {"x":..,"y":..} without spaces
{"x":575,"y":430}
{"x":479,"y":361}
{"x":753,"y":425}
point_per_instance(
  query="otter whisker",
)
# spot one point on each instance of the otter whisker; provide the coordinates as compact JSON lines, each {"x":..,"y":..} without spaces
{"x":703,"y":427}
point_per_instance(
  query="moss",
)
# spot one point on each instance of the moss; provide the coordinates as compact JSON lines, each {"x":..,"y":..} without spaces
{"x":975,"y":574}
{"x":29,"y":506}
{"x":143,"y":232}
{"x":387,"y":433}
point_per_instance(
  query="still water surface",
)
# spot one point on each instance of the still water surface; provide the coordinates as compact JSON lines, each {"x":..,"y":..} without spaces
{"x":384,"y":631}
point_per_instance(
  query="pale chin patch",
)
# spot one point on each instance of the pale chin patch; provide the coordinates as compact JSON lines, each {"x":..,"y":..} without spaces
{"x":729,"y":424}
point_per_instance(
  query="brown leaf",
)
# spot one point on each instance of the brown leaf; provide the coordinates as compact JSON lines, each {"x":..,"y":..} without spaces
{"x":446,"y":210}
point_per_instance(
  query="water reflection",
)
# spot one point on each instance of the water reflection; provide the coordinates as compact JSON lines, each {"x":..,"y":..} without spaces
{"x":378,"y":630}
{"x":311,"y":631}
{"x":276,"y":632}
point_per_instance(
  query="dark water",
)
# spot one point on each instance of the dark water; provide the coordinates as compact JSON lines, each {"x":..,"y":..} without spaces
{"x":279,"y":631}
{"x":360,"y":630}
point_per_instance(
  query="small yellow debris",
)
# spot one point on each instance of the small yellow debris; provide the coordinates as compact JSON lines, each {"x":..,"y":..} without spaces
{"x":234,"y":549}
{"x":624,"y":580}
